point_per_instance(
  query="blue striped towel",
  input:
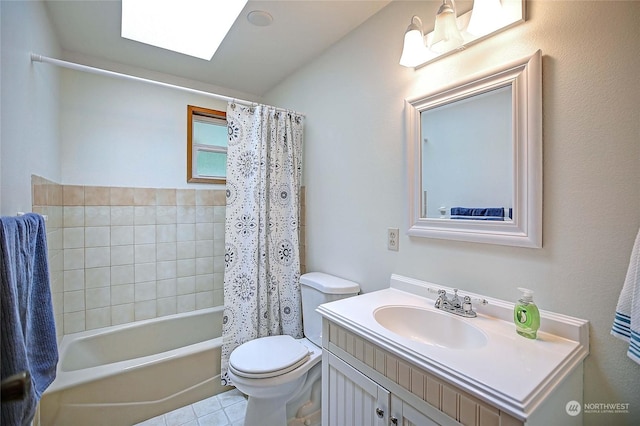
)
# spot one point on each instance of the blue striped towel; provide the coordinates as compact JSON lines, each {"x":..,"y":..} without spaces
{"x":626,"y":324}
{"x":26,"y":312}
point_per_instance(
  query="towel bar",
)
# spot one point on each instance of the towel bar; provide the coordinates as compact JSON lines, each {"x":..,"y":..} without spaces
{"x":16,"y":387}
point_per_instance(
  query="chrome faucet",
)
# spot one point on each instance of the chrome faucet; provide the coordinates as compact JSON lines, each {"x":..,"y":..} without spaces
{"x":454,"y":305}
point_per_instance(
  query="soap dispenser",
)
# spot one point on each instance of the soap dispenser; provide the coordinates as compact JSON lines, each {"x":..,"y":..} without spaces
{"x":526,"y":315}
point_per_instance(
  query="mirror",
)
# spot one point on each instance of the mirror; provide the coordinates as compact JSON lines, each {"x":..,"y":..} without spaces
{"x":475,"y":158}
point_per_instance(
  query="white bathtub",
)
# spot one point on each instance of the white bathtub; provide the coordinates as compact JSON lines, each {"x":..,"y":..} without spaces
{"x":124,"y":374}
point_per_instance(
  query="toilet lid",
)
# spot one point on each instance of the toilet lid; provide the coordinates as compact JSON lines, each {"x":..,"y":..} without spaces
{"x":268,"y":356}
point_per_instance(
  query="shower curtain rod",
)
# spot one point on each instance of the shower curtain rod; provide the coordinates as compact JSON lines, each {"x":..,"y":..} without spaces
{"x":79,"y":67}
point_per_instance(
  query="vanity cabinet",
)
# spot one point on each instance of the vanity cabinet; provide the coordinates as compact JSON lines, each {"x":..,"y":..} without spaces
{"x":354,"y":399}
{"x":364,"y":385}
{"x":485,"y":375}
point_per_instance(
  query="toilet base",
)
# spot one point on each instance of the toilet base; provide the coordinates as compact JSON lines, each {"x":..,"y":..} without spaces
{"x":261,"y":412}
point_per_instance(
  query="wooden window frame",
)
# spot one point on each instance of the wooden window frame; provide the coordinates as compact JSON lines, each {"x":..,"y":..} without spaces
{"x":191,"y":111}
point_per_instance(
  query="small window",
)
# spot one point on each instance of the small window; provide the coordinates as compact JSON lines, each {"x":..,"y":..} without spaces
{"x":206,"y":145}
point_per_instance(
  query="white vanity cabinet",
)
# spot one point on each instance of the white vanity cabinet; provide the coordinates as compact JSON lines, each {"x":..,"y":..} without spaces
{"x":386,"y":370}
{"x":364,"y":385}
{"x":354,"y":399}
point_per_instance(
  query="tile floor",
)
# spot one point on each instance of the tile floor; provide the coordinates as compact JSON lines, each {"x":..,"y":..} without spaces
{"x":225,"y":409}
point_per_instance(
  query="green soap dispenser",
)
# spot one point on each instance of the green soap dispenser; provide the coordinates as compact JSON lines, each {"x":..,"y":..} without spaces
{"x":526,"y":315}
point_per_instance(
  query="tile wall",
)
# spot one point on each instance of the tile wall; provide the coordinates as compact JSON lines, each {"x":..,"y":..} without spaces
{"x":118,"y":255}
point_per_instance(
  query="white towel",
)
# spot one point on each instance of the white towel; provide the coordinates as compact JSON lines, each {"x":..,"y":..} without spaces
{"x":626,"y":324}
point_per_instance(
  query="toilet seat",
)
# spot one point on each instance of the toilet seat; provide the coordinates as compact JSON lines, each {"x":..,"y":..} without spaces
{"x":268,"y":357}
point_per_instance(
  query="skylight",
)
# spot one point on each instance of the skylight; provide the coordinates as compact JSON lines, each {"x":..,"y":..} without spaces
{"x":192,"y":27}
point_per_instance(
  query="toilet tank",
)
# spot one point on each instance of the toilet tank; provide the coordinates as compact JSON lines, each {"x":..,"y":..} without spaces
{"x":318,"y":288}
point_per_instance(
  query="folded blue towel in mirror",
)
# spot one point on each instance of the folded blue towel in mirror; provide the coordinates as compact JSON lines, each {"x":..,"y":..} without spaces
{"x":478,"y":213}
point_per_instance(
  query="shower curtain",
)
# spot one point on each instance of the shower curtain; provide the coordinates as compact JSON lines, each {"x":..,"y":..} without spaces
{"x":262,"y":263}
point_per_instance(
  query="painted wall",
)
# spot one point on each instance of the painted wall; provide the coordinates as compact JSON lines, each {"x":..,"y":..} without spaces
{"x":356,"y":184}
{"x":29,"y":140}
{"x":124,"y":133}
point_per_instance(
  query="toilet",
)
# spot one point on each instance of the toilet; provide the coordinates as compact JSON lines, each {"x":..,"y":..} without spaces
{"x":282,"y":375}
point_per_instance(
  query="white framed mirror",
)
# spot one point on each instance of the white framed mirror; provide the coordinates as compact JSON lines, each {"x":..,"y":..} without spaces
{"x":475,"y":158}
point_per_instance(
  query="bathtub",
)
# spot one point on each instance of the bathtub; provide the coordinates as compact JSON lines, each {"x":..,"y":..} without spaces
{"x":125,"y":374}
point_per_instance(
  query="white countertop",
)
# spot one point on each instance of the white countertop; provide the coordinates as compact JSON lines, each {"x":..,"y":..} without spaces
{"x":512,"y":372}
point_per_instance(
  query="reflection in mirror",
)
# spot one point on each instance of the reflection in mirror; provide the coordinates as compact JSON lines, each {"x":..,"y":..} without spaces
{"x":467,"y":158}
{"x":475,"y":158}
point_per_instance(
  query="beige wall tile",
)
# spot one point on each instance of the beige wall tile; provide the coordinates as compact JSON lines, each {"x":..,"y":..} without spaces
{"x":186,"y":214}
{"x":121,"y":294}
{"x":219,"y":197}
{"x":166,"y":233}
{"x":73,"y":195}
{"x":121,"y":235}
{"x":144,"y":234}
{"x":166,"y":306}
{"x":95,"y":257}
{"x":122,"y":274}
{"x":204,"y":197}
{"x":204,"y":299}
{"x":166,"y":197}
{"x":186,"y":285}
{"x":186,"y":303}
{"x":97,"y":216}
{"x":166,"y":288}
{"x":73,"y":216}
{"x":144,"y":272}
{"x":73,"y":259}
{"x":166,"y":215}
{"x":186,"y":232}
{"x":167,"y":269}
{"x":122,"y":215}
{"x":73,"y":238}
{"x":99,"y":297}
{"x":122,"y":255}
{"x":144,"y":197}
{"x":145,"y":310}
{"x":39,"y":194}
{"x":144,"y":215}
{"x":144,"y":253}
{"x":186,"y":249}
{"x":97,"y":196}
{"x":122,"y":196}
{"x":74,"y":322}
{"x":204,"y":282}
{"x":98,"y":318}
{"x":122,"y":314}
{"x":98,"y":277}
{"x":145,"y":291}
{"x":97,"y":236}
{"x":186,"y":197}
{"x":74,"y":280}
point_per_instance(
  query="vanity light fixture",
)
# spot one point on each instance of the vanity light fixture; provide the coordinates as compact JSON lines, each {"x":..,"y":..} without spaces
{"x":191,"y":27}
{"x":453,"y":33}
{"x":446,"y":35}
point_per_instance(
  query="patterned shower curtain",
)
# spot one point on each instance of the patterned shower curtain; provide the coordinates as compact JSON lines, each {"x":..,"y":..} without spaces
{"x":262,"y":263}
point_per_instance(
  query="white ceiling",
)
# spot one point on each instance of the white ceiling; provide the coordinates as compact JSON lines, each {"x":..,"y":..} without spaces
{"x":251,"y":59}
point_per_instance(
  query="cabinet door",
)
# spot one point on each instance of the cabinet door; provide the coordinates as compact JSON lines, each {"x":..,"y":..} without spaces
{"x":353,"y":398}
{"x":403,"y":414}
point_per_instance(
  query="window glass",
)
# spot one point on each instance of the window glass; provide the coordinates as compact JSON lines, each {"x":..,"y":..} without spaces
{"x":206,"y":145}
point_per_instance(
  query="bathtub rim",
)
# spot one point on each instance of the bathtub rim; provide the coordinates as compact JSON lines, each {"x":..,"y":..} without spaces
{"x":66,"y":379}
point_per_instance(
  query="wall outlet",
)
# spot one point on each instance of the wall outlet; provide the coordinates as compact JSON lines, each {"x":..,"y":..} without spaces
{"x":393,"y":239}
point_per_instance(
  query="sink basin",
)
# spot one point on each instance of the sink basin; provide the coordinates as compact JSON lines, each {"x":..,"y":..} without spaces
{"x":431,"y":327}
